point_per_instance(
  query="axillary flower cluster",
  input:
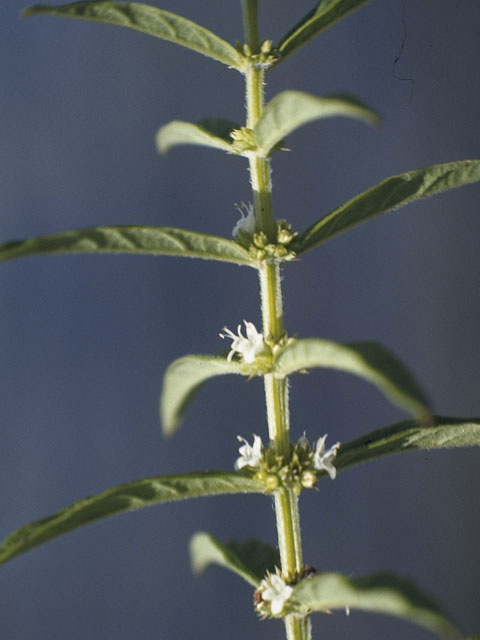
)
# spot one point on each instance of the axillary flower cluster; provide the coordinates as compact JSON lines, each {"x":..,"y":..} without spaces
{"x":307,"y":462}
{"x":272,"y":596}
{"x":273,"y":599}
{"x":257,"y":242}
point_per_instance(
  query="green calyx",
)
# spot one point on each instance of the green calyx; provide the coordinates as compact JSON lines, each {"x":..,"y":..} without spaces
{"x":297,"y":474}
{"x":264,"y":59}
{"x":243,"y":141}
{"x":261,"y":249}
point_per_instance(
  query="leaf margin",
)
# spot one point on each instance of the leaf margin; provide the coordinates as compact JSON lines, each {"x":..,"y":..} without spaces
{"x":206,"y":549}
{"x":300,"y":108}
{"x":368,"y":360}
{"x":334,"y":224}
{"x":121,"y":239}
{"x":312,"y":26}
{"x":137,"y":494}
{"x":177,"y":392}
{"x":395,"y":596}
{"x":201,"y":133}
{"x":414,"y":436}
{"x":223,"y":50}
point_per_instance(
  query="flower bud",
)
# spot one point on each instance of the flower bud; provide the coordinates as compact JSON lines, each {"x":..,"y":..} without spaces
{"x":261,"y":476}
{"x":270,"y":249}
{"x":308,"y":479}
{"x":266,"y":46}
{"x":280,"y":252}
{"x":259,"y":239}
{"x":256,"y":254}
{"x":271,"y":483}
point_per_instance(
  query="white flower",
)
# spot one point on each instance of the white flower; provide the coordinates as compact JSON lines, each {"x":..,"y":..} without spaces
{"x":323,"y":460}
{"x":277,"y":592}
{"x":248,"y":347}
{"x":246,"y":222}
{"x":250,"y":456}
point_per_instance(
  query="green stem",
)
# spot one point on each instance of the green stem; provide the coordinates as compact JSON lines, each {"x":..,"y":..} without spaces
{"x":272,"y":308}
{"x":276,"y":390}
{"x":260,"y":172}
{"x":250,"y":23}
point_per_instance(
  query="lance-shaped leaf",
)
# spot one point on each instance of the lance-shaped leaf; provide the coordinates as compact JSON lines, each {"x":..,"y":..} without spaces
{"x":379,"y":593}
{"x":250,"y":560}
{"x":368,"y":360}
{"x":208,"y":133}
{"x":441,"y":433}
{"x":322,"y":16}
{"x":125,"y":497}
{"x":168,"y":241}
{"x":292,"y":109}
{"x":183,"y":379}
{"x":392,"y":193}
{"x":148,"y":19}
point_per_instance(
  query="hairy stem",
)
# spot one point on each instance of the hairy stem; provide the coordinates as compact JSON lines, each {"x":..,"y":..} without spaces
{"x":276,"y":390}
{"x":259,"y":167}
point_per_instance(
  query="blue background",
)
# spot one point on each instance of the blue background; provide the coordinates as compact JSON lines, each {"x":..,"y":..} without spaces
{"x":85,"y":340}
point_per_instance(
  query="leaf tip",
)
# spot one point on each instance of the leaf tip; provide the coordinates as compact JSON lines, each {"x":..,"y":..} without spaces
{"x":160,"y":142}
{"x":32,"y":10}
{"x":168,"y":430}
{"x":167,"y":425}
{"x":197,"y":562}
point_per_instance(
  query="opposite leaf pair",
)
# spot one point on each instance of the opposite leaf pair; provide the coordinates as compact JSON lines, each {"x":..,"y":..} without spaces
{"x":388,"y":195}
{"x":174,"y":28}
{"x":443,"y":433}
{"x":383,"y":593}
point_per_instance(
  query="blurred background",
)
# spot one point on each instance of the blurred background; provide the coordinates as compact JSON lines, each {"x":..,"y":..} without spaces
{"x":85,"y":340}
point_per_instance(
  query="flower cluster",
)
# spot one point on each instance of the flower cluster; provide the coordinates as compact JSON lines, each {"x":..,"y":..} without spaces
{"x":307,"y":461}
{"x":257,"y":243}
{"x":279,"y":251}
{"x":267,"y":57}
{"x":243,"y":141}
{"x":272,"y":596}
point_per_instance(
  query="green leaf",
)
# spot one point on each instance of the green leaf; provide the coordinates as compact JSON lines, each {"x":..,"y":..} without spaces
{"x":125,"y":497}
{"x":208,"y":133}
{"x":168,"y":241}
{"x":441,"y":433}
{"x":292,"y":109}
{"x":368,"y":360}
{"x":324,"y":15}
{"x":250,"y":560}
{"x":155,"y":22}
{"x":380,"y":593}
{"x":182,"y":381}
{"x":392,"y":193}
